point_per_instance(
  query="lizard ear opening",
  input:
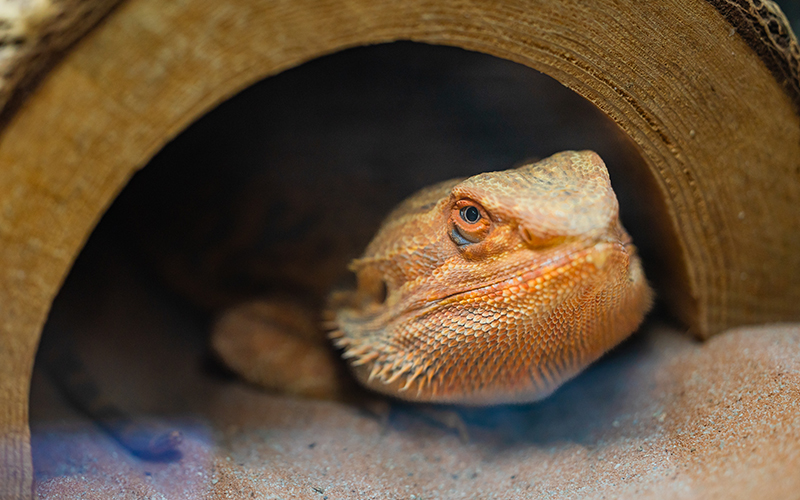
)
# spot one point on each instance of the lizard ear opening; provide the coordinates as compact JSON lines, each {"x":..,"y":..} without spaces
{"x":372,"y":285}
{"x":469,"y":221}
{"x":381,"y":292}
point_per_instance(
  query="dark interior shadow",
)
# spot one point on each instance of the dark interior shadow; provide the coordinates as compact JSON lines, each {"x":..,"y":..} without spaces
{"x":331,"y":147}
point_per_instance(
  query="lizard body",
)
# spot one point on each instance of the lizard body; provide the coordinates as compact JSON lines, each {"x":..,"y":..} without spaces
{"x":492,"y":289}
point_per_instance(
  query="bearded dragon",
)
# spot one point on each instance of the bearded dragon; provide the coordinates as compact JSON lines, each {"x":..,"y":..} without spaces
{"x":492,"y":289}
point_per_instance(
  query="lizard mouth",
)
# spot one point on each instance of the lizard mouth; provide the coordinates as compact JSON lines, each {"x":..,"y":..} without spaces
{"x":596,"y":254}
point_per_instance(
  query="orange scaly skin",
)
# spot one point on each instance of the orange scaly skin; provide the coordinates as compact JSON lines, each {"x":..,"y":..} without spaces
{"x":493,"y":289}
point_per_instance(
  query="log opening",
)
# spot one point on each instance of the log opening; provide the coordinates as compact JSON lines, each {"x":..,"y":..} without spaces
{"x":243,"y":199}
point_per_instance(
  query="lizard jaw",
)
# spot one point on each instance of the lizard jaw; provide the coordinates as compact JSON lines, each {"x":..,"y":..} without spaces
{"x":383,"y":359}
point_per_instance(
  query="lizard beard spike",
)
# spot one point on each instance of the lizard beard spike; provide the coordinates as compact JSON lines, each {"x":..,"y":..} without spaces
{"x":388,"y":366}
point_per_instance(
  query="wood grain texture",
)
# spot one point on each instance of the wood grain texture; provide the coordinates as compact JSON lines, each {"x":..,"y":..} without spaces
{"x":32,"y":35}
{"x":718,"y":131}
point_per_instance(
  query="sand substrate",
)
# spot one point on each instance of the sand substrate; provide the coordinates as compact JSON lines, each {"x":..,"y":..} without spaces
{"x":662,"y":416}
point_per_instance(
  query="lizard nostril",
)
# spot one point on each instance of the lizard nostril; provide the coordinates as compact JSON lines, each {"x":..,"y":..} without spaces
{"x":535,"y":241}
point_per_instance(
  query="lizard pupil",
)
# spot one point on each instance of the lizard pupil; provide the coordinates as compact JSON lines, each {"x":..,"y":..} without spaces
{"x":470,"y":214}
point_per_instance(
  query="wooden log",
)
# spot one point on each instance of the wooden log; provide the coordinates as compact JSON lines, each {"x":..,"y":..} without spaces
{"x":708,"y":90}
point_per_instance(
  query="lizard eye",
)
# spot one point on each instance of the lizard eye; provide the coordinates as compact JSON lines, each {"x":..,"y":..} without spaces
{"x":469,"y":221}
{"x":470,"y":214}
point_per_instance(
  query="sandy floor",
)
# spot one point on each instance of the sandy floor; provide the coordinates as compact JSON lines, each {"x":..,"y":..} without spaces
{"x":663,"y":416}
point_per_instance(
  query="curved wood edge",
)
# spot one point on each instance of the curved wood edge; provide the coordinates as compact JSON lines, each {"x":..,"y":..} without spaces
{"x":33,"y":35}
{"x":718,"y":132}
{"x":766,"y":30}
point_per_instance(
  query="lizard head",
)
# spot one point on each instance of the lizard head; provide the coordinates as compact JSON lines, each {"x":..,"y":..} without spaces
{"x":493,"y":289}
